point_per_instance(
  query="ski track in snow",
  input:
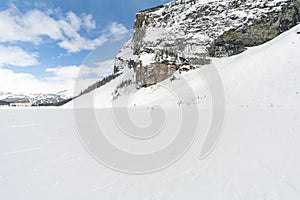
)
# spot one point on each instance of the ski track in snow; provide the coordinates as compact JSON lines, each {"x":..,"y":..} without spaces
{"x":21,"y":151}
{"x":23,"y":125}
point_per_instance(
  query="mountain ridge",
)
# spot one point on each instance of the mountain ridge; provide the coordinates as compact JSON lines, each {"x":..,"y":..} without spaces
{"x":35,"y":99}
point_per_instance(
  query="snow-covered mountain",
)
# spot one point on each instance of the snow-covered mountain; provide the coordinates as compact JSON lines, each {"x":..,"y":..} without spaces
{"x":186,"y":33}
{"x":35,"y":99}
{"x":262,"y":76}
{"x":189,"y":25}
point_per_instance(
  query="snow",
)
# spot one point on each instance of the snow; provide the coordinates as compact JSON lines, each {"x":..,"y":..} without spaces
{"x":152,"y":34}
{"x":267,"y":74}
{"x":41,"y":156}
{"x":127,"y":53}
{"x":147,"y":58}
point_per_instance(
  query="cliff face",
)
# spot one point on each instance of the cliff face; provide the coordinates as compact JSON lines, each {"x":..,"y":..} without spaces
{"x":260,"y":31}
{"x":183,"y":33}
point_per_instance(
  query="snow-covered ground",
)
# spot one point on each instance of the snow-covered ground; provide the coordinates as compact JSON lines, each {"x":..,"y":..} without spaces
{"x":41,"y":156}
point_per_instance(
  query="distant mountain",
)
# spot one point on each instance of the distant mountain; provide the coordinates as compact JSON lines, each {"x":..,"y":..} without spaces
{"x":3,"y":103}
{"x":35,"y":99}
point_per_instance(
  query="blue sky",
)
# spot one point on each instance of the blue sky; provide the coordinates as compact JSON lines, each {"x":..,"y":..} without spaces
{"x":43,"y":43}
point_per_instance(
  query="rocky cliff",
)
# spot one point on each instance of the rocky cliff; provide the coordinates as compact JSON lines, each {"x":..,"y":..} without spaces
{"x":183,"y":34}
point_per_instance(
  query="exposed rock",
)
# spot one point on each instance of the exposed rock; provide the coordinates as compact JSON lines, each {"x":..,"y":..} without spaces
{"x":154,"y":73}
{"x":268,"y":27}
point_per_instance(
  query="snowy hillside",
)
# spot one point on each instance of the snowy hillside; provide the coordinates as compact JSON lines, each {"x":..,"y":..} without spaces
{"x":256,"y":157}
{"x":263,"y":76}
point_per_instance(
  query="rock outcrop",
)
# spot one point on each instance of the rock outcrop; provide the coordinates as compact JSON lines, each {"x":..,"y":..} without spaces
{"x":262,"y":30}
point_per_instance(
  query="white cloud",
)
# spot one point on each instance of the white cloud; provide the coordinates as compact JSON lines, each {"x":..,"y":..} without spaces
{"x":88,"y":22}
{"x":59,"y":79}
{"x":24,"y":83}
{"x":63,"y":73}
{"x":35,"y":24}
{"x":15,"y":56}
{"x":103,"y":69}
{"x":74,"y":20}
{"x":27,"y":27}
{"x":78,"y":43}
{"x":117,"y":29}
{"x":27,"y":83}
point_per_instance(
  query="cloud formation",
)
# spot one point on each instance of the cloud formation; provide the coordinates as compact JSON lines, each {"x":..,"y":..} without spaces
{"x":24,"y":83}
{"x":65,"y":72}
{"x":69,"y":31}
{"x":64,"y":29}
{"x":12,"y":55}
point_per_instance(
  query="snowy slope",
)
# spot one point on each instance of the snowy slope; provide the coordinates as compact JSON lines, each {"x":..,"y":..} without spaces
{"x":263,"y":76}
{"x":41,"y":156}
